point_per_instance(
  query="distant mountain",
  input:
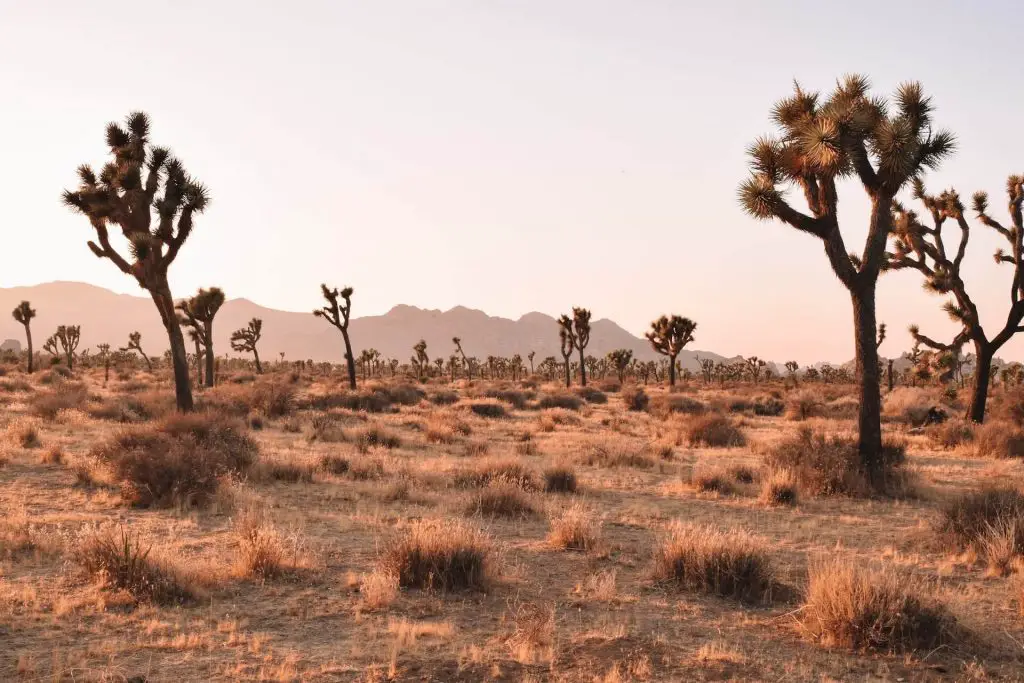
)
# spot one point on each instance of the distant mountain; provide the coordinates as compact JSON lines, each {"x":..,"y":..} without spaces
{"x":107,"y":317}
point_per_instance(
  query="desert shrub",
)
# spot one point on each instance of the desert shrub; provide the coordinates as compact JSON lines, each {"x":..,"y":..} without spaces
{"x":560,"y":480}
{"x":15,"y":386}
{"x":635,"y":399}
{"x":516,"y":399}
{"x":976,"y":519}
{"x":827,"y":465}
{"x":261,"y":549}
{"x":768,"y":406}
{"x":740,"y":405}
{"x":713,"y":430}
{"x":406,"y":394}
{"x":273,"y":399}
{"x":868,"y":609}
{"x":444,"y":556}
{"x":24,"y":433}
{"x":911,"y":405}
{"x":563,"y":400}
{"x":741,"y":474}
{"x":723,"y":563}
{"x":132,"y":408}
{"x":603,"y":455}
{"x":951,"y":433}
{"x":805,"y":404}
{"x":504,"y":471}
{"x":713,"y":480}
{"x":999,"y":439}
{"x":664,"y":405}
{"x":327,"y":428}
{"x":370,"y":401}
{"x":66,"y":396}
{"x":780,"y":487}
{"x":119,"y":560}
{"x":500,"y":499}
{"x":610,"y":386}
{"x":334,"y":464}
{"x":366,"y":469}
{"x":444,"y":398}
{"x":178,"y":461}
{"x":375,"y":436}
{"x":574,"y":528}
{"x":592,"y":395}
{"x":54,"y":455}
{"x":274,"y":469}
{"x":491,"y":410}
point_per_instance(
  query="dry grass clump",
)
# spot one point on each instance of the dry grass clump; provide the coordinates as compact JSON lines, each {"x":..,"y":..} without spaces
{"x":15,"y":386}
{"x":444,"y":398}
{"x":66,"y":396}
{"x":118,"y":559}
{"x":560,"y":479}
{"x":334,"y":464}
{"x":768,"y":406}
{"x":592,"y":395}
{"x":989,"y":522}
{"x":574,"y":528}
{"x":485,"y":473}
{"x":375,"y":436}
{"x":54,"y":455}
{"x":563,"y":400}
{"x":445,"y":428}
{"x":24,"y":433}
{"x":805,"y":404}
{"x":871,"y":609}
{"x":500,"y":499}
{"x":603,"y":455}
{"x":911,"y":405}
{"x":516,"y":399}
{"x":713,"y":480}
{"x":951,"y":433}
{"x":780,"y":487}
{"x":178,"y":461}
{"x":269,"y":397}
{"x":664,"y":405}
{"x":326,"y":428}
{"x":132,"y":408}
{"x":724,"y":563}
{"x":262,"y":550}
{"x":999,"y":439}
{"x":489,"y":410}
{"x":826,"y":465}
{"x":713,"y":430}
{"x":448,"y":555}
{"x":277,"y":469}
{"x":635,"y":399}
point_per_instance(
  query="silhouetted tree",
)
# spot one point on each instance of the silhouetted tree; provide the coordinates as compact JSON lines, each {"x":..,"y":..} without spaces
{"x":24,"y":313}
{"x":754,"y":367}
{"x":244,"y":340}
{"x":581,"y":337}
{"x":568,"y":342}
{"x":465,"y":361}
{"x":420,"y":359}
{"x":198,"y":313}
{"x":68,"y":337}
{"x":668,"y":336}
{"x":620,"y":360}
{"x":338,"y":315}
{"x":135,"y":344}
{"x":822,"y":141}
{"x":922,"y":248}
{"x":104,"y":354}
{"x":139,"y":183}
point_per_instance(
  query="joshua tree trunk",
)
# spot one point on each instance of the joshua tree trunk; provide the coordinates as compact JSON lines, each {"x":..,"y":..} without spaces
{"x":583,"y":370}
{"x":256,"y":355}
{"x":671,"y":371}
{"x":28,"y":338}
{"x":210,"y":359}
{"x":983,"y":367}
{"x":149,"y":363}
{"x":350,"y":361}
{"x":870,"y":411}
{"x":568,"y":378}
{"x":179,"y":359}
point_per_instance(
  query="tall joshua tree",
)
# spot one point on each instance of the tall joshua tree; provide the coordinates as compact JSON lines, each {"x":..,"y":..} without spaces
{"x":421,"y":359}
{"x":581,"y":337}
{"x":24,"y":314}
{"x":567,"y":337}
{"x":921,"y":247}
{"x":135,"y":344}
{"x":244,"y":340}
{"x":821,"y":141}
{"x":104,"y":354}
{"x":530,"y":356}
{"x":198,"y":313}
{"x":465,"y":361}
{"x":620,"y":360}
{"x":68,"y":336}
{"x":339,"y":314}
{"x":669,"y":336}
{"x":142,"y":183}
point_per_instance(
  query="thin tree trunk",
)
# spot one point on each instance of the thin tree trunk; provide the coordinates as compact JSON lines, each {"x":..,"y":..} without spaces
{"x":182,"y":390}
{"x":149,"y":363}
{"x":210,"y":358}
{"x":568,"y":379}
{"x":28,"y":336}
{"x":583,"y":370}
{"x":869,"y":418}
{"x":350,"y":361}
{"x":983,"y":366}
{"x":672,"y":371}
{"x":256,"y":355}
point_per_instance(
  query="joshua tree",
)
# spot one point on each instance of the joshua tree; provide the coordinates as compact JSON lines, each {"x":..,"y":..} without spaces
{"x":754,"y":367}
{"x":368,"y":359}
{"x":516,"y":365}
{"x":439,"y":362}
{"x":568,"y":343}
{"x":50,"y":346}
{"x":135,"y":344}
{"x":338,"y":315}
{"x":104,"y":354}
{"x":530,"y":356}
{"x":620,"y":360}
{"x":707,"y":368}
{"x":848,"y":134}
{"x":24,"y":314}
{"x":198,"y":313}
{"x":194,"y":335}
{"x":668,"y":336}
{"x":141,"y":183}
{"x":465,"y":361}
{"x":420,"y":359}
{"x":791,"y":367}
{"x":244,"y":340}
{"x":922,"y":248}
{"x":581,"y":337}
{"x":68,"y":337}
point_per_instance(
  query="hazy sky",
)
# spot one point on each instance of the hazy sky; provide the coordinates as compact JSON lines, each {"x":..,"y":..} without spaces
{"x":505,"y":155}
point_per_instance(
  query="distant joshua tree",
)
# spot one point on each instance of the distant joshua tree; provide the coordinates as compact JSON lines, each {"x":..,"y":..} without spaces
{"x":141,"y":183}
{"x":465,"y":361}
{"x":568,"y":342}
{"x":196,"y":337}
{"x":620,"y":360}
{"x":198,"y":313}
{"x":530,"y":357}
{"x":244,"y":340}
{"x":104,"y":354}
{"x":135,"y":344}
{"x":755,"y":366}
{"x":421,"y":359}
{"x":339,"y":315}
{"x":820,"y":142}
{"x":68,"y":337}
{"x":922,"y":248}
{"x":668,"y":336}
{"x":24,"y":314}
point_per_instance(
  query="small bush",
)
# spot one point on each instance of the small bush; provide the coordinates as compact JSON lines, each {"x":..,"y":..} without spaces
{"x":574,"y":528}
{"x":334,"y":464}
{"x":505,"y":471}
{"x":119,"y":560}
{"x":445,"y":556}
{"x":563,"y":400}
{"x":53,"y":455}
{"x":560,"y":480}
{"x":490,"y":410}
{"x":375,"y":436}
{"x":805,"y":404}
{"x":664,"y":405}
{"x":288,"y":472}
{"x":911,"y":405}
{"x":24,"y":433}
{"x":636,"y":399}
{"x":741,"y":474}
{"x":326,"y":428}
{"x":779,"y":488}
{"x":706,"y":560}
{"x":261,"y":549}
{"x":990,"y":522}
{"x":866,"y":609}
{"x":768,"y":406}
{"x":952,"y":433}
{"x":605,"y":456}
{"x":500,"y":499}
{"x":713,"y":431}
{"x":713,"y":480}
{"x":999,"y":439}
{"x":516,"y":399}
{"x":446,"y":429}
{"x":444,"y":398}
{"x":592,"y":395}
{"x":406,"y":394}
{"x":67,"y":396}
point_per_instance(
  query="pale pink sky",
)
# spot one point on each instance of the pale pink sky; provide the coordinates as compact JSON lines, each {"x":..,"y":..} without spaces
{"x":508,"y":156}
